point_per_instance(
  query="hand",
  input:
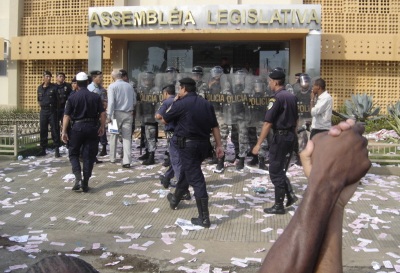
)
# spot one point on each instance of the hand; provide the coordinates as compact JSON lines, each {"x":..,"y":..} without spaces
{"x":343,"y":163}
{"x":64,"y":138}
{"x":255,"y":149}
{"x":101,"y":131}
{"x":219,"y":151}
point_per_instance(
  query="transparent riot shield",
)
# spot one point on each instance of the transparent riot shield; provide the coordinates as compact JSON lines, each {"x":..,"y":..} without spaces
{"x":148,"y":97}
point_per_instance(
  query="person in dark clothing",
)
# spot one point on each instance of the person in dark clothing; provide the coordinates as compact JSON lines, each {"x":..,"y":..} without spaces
{"x":83,"y":109}
{"x":281,"y":116}
{"x":48,"y":101}
{"x":194,"y":119}
{"x":63,"y":92}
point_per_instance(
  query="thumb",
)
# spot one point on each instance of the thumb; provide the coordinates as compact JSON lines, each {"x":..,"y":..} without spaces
{"x":305,"y":157}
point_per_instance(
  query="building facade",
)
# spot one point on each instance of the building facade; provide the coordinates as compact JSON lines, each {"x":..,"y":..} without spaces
{"x":353,"y":44}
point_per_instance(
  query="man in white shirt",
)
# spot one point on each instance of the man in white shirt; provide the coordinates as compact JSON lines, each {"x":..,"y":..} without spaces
{"x":121,"y":102}
{"x":321,"y":108}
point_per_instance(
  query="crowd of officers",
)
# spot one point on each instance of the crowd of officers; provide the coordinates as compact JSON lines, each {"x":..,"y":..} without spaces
{"x":198,"y":109}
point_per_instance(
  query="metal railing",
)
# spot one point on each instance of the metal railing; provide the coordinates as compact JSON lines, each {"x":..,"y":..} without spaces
{"x":17,"y":131}
{"x":384,"y":152}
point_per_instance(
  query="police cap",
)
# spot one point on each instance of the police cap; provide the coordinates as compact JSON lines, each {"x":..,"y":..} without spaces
{"x":47,"y":73}
{"x":95,"y":73}
{"x":277,"y":75}
{"x":188,"y":81}
{"x":81,"y":76}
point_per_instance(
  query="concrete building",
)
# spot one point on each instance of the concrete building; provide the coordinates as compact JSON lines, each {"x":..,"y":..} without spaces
{"x":353,"y":44}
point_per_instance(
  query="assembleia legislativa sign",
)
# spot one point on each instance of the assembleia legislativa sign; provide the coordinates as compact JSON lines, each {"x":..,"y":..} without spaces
{"x":205,"y":17}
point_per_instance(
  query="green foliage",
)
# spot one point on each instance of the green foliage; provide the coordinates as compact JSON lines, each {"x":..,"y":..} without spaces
{"x":374,"y":125}
{"x":361,"y":108}
{"x":394,"y":113}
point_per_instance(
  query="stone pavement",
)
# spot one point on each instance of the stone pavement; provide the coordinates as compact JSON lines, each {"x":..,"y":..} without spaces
{"x":126,"y":215}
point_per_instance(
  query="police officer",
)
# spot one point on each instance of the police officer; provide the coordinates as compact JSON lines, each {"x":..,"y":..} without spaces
{"x":175,"y":167}
{"x":96,"y":86}
{"x":201,"y":85}
{"x":48,"y":100}
{"x":83,"y":109}
{"x":146,"y":112}
{"x":281,"y":116}
{"x":63,"y":92}
{"x":194,"y":120}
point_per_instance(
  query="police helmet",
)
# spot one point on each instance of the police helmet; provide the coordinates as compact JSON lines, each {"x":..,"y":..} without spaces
{"x":197,"y":70}
{"x":148,"y":79}
{"x":217,"y":71}
{"x":305,"y":81}
{"x":239,"y":76}
{"x":170,"y":69}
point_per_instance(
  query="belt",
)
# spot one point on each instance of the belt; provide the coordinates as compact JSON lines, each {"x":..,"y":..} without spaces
{"x":281,"y":132}
{"x":196,"y":139}
{"x":86,"y":120}
{"x":47,"y":107}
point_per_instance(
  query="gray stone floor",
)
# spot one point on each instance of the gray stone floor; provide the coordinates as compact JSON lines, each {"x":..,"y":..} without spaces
{"x":126,"y":214}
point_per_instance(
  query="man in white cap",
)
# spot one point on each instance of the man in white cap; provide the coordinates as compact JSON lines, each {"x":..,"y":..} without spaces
{"x":83,"y":109}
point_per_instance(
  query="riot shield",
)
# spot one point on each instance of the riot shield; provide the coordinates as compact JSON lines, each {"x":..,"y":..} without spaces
{"x":148,"y":97}
{"x":258,"y":99}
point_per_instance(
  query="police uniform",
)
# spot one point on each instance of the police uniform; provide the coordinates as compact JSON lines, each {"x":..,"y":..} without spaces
{"x":48,"y":101}
{"x":83,"y":109}
{"x":63,"y":92}
{"x":282,"y":113}
{"x":194,"y":119}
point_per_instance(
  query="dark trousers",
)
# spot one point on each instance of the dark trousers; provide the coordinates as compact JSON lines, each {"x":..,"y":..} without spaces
{"x":103,"y":139}
{"x":175,"y":168}
{"x":83,"y":134}
{"x":49,"y":117}
{"x":316,"y":131}
{"x":280,"y":146}
{"x":191,"y":156}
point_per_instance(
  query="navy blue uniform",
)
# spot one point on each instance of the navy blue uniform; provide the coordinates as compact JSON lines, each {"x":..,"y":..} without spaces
{"x":282,"y":114}
{"x":63,"y":92}
{"x":84,"y":108}
{"x":194,"y":118}
{"x":48,"y":101}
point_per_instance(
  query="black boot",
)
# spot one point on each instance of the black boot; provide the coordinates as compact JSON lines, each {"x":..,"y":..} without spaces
{"x":261,"y":163}
{"x":204,"y":216}
{"x":144,"y":156}
{"x":78,"y":180}
{"x":165,"y":181}
{"x":186,"y":196}
{"x":42,"y":152}
{"x":253,"y":161}
{"x":85,"y":185}
{"x":150,"y":160}
{"x":57,"y":152}
{"x":220,"y":165}
{"x":167,"y":161}
{"x":175,"y":198}
{"x":291,"y":197}
{"x":240,"y":164}
{"x":277,"y":208}
{"x":103,"y":150}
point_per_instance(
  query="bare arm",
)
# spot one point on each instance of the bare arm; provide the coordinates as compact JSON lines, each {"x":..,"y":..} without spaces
{"x":103,"y":118}
{"x":264,"y":132}
{"x":65,"y":124}
{"x":218,"y":143}
{"x":332,"y":172}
